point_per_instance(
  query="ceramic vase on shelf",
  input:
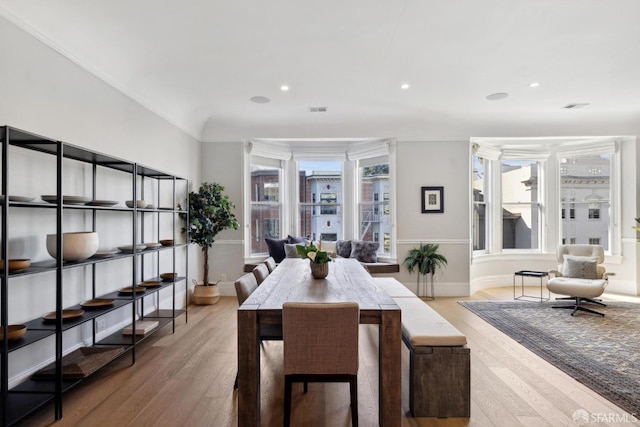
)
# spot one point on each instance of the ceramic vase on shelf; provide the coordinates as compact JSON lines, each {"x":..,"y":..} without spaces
{"x":319,"y":270}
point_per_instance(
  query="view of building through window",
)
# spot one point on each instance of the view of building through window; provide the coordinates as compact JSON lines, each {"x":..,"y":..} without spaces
{"x":520,"y":207}
{"x":320,"y":203}
{"x":320,"y":200}
{"x":479,"y":204}
{"x":374,"y":219}
{"x":265,"y":205}
{"x":585,"y":201}
{"x":585,"y":188}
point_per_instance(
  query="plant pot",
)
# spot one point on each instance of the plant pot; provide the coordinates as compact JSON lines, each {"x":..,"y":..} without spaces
{"x":319,"y":271}
{"x":206,"y":295}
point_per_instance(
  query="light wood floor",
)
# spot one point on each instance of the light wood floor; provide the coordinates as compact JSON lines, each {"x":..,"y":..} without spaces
{"x":186,"y":379}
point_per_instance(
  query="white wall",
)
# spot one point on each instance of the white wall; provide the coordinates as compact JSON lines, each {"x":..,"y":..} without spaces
{"x":435,"y":163}
{"x":44,"y":93}
{"x":223,"y":164}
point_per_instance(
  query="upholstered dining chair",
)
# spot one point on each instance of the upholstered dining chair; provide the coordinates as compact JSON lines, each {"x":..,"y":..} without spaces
{"x":261,"y":272}
{"x":579,"y":275}
{"x":320,"y":345}
{"x":245,"y":286}
{"x":270,"y":263}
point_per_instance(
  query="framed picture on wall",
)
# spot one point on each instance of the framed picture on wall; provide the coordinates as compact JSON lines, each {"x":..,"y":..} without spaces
{"x":432,"y":199}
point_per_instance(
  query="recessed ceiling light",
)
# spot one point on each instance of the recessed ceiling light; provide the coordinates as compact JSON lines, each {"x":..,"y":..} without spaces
{"x":497,"y":96}
{"x":260,"y":99}
{"x":534,"y":84}
{"x":284,"y":88}
{"x":404,"y":86}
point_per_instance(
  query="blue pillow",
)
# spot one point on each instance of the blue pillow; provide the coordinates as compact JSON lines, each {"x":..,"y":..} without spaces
{"x":276,"y":248}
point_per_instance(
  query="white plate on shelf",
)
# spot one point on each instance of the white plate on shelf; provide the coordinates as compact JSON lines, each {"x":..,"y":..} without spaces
{"x":67,"y":200}
{"x":21,"y":199}
{"x":153,"y":245}
{"x":131,"y":249}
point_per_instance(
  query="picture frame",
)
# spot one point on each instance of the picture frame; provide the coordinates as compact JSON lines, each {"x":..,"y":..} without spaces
{"x":432,"y":199}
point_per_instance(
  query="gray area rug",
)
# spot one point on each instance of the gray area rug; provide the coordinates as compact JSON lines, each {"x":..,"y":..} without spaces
{"x":603,"y":353}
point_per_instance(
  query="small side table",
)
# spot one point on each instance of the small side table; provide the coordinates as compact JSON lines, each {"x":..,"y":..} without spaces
{"x":529,"y":273}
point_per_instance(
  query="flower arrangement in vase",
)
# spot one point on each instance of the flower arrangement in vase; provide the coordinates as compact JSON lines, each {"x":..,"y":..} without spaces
{"x":318,"y":259}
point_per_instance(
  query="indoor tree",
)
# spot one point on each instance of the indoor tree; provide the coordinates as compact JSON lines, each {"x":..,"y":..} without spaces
{"x":210,"y":212}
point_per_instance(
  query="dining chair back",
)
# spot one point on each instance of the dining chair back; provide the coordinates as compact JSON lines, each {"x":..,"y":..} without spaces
{"x":321,"y":345}
{"x":245,"y":286}
{"x":270,"y":263}
{"x":261,"y":272}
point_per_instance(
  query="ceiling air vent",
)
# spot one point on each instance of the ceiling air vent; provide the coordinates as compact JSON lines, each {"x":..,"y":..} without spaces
{"x":317,"y":109}
{"x":578,"y":105}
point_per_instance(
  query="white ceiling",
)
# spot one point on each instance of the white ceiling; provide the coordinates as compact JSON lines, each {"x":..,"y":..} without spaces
{"x":198,"y":62}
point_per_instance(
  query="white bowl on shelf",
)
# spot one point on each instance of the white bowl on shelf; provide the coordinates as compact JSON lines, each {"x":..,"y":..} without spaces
{"x":140,"y":204}
{"x":76,"y":246}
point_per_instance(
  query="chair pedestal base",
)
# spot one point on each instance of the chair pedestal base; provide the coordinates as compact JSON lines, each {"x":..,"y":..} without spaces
{"x":579,"y":307}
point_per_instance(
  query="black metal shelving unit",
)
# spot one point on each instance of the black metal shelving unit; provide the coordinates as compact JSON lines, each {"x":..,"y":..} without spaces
{"x":25,"y":398}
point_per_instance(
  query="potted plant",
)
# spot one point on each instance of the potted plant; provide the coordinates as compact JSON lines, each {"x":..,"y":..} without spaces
{"x":210,"y":212}
{"x":426,"y":259}
{"x":318,"y":259}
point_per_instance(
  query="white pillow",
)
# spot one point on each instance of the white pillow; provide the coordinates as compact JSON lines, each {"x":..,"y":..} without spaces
{"x":329,"y":248}
{"x":290,"y":250}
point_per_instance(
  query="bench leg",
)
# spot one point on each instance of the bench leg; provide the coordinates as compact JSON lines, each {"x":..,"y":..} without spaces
{"x":440,"y":382}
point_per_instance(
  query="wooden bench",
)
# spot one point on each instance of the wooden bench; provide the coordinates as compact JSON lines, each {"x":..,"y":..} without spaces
{"x":439,"y":359}
{"x":439,"y":362}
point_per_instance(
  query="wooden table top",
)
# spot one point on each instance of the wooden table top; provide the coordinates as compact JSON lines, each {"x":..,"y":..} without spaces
{"x":347,"y":281}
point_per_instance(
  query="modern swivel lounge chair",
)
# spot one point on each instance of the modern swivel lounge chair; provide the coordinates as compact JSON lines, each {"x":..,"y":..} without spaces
{"x":580,"y":276}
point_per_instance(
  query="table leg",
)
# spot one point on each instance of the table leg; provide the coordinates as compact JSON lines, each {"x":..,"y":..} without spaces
{"x":390,"y":369}
{"x":248,"y":368}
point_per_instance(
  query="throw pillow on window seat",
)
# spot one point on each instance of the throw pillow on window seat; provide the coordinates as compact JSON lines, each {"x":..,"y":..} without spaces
{"x":276,"y":248}
{"x":291,"y":250}
{"x":364,"y":251}
{"x":343,"y":248}
{"x":329,"y":248}
{"x":296,"y":240}
{"x":580,"y":267}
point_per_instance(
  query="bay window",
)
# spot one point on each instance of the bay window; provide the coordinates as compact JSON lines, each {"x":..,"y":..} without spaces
{"x":531,"y":195}
{"x":334,"y":190}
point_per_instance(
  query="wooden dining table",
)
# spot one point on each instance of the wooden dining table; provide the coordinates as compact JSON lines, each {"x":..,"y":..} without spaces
{"x":348,"y":281}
